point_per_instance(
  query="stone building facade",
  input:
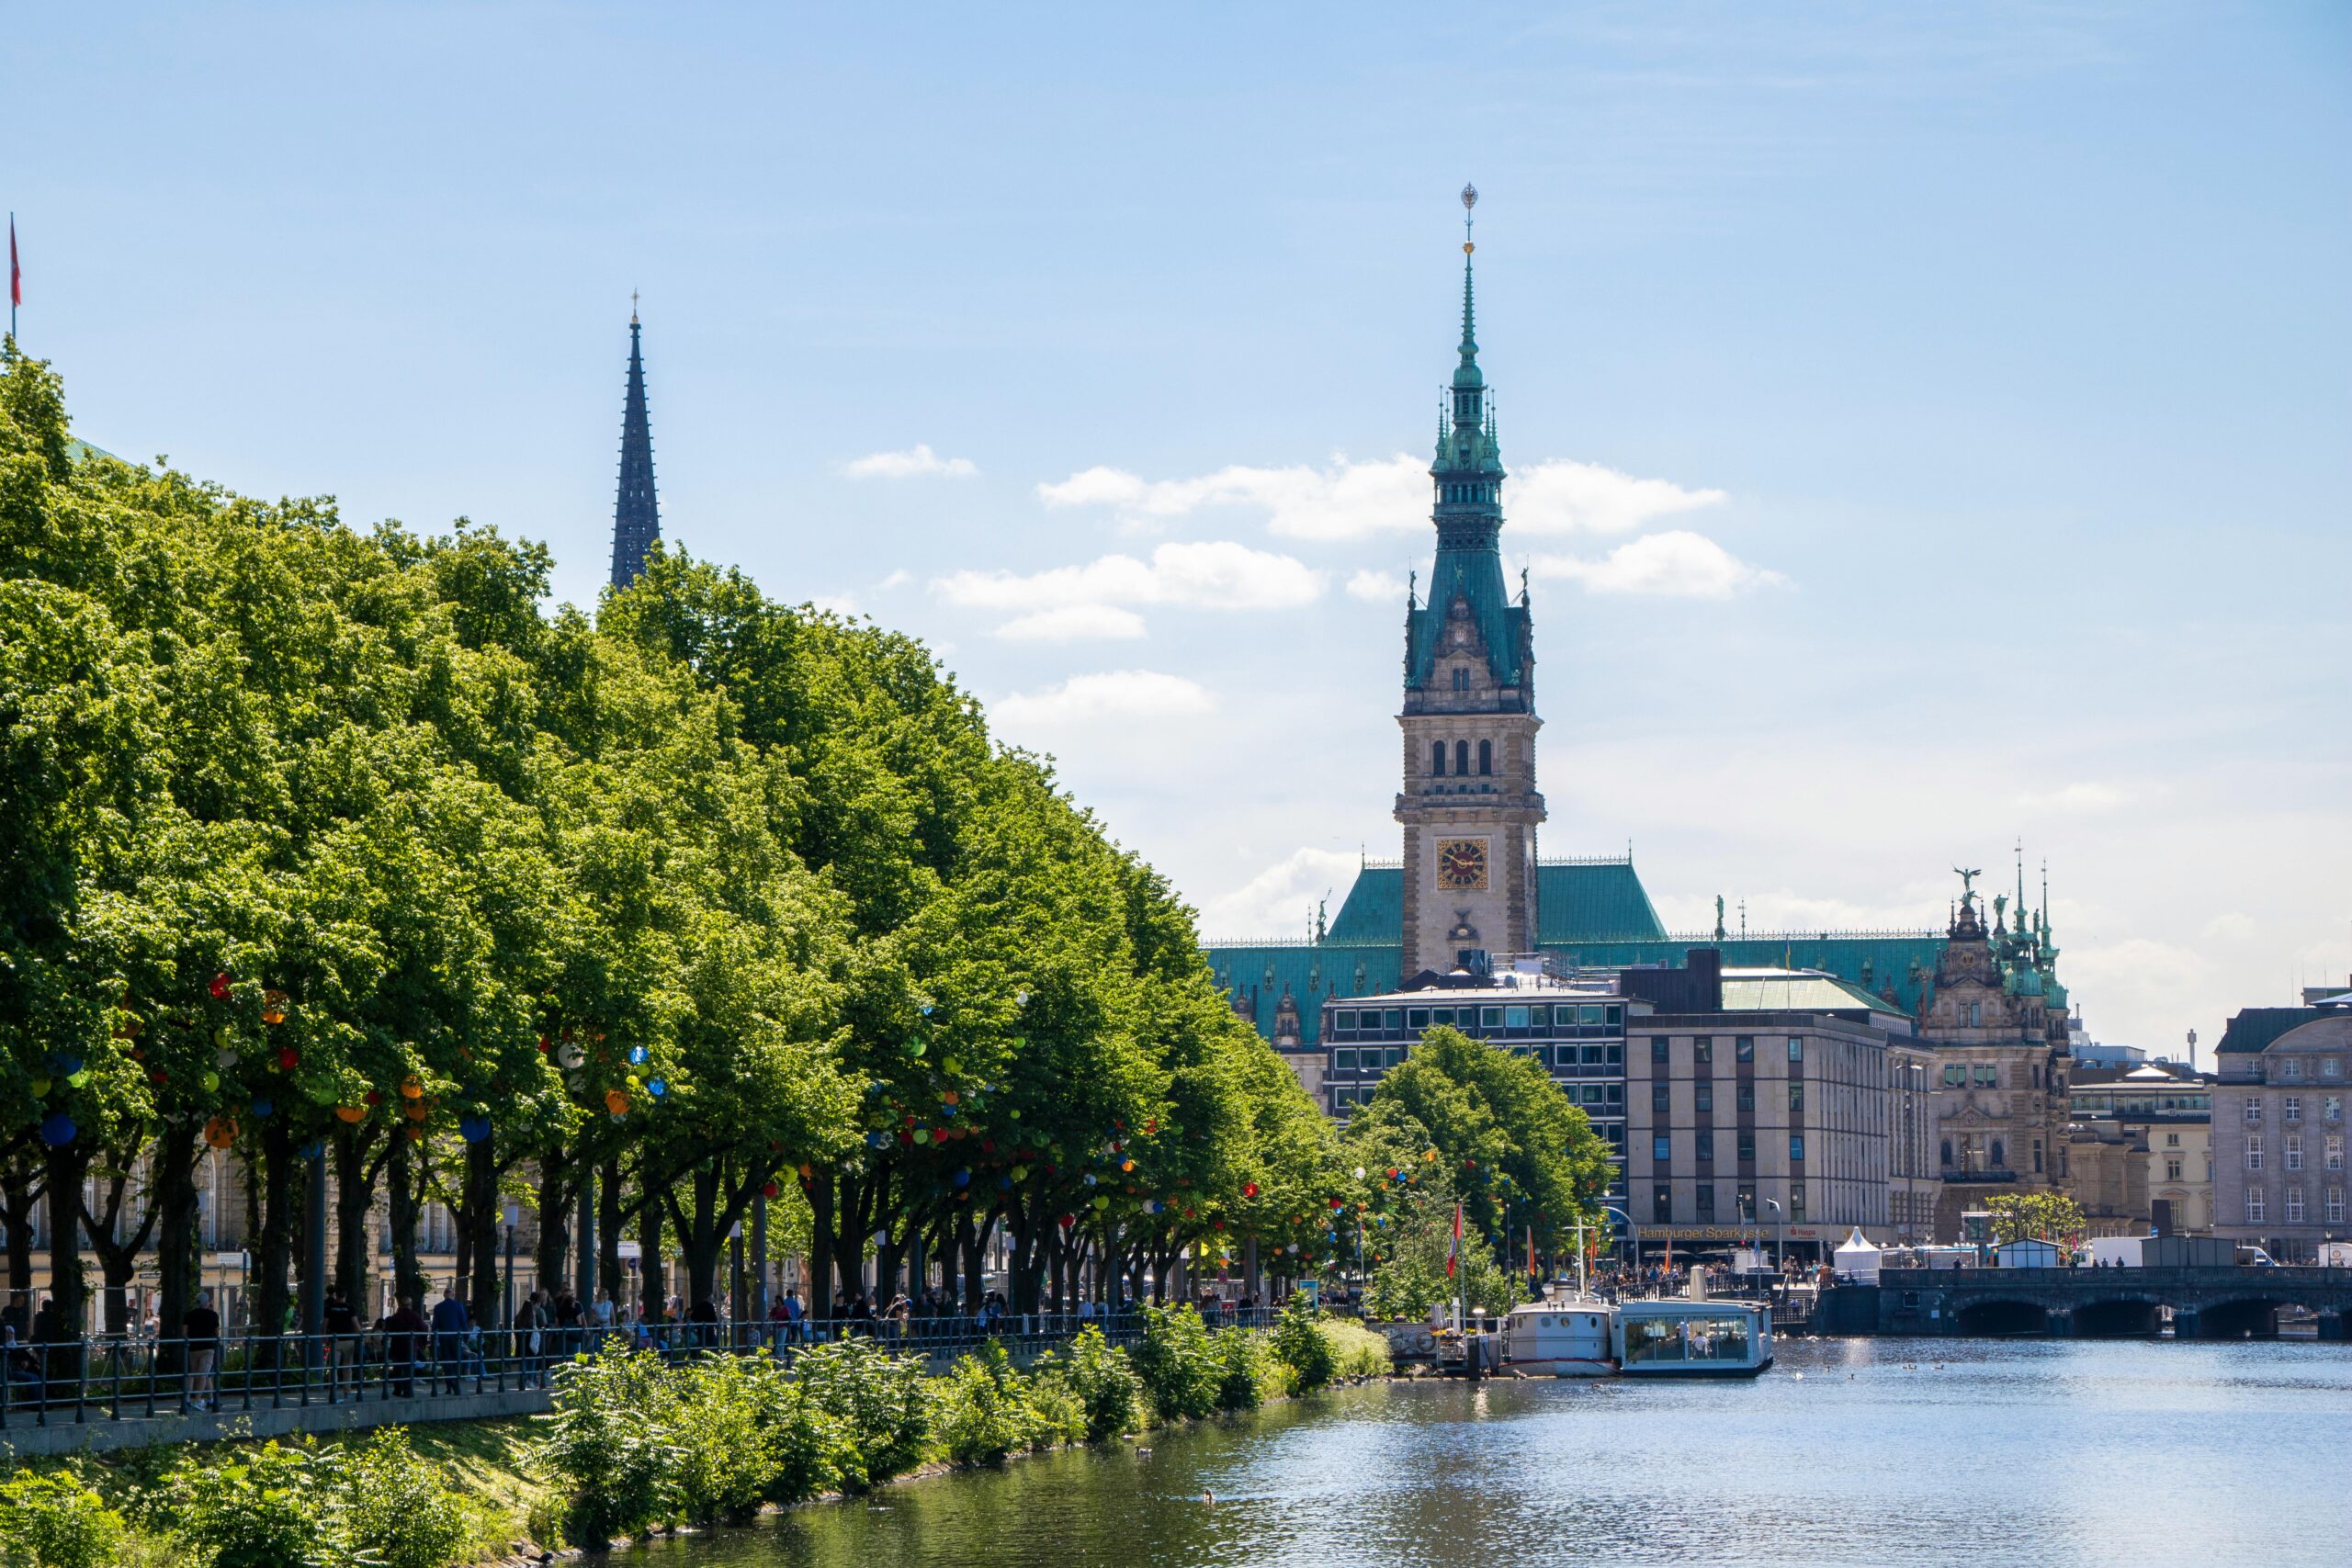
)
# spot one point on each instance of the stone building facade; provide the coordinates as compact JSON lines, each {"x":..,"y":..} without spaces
{"x":2279,"y":1176}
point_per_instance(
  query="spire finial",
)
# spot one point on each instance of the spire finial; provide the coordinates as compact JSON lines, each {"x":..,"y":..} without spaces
{"x":632,"y":306}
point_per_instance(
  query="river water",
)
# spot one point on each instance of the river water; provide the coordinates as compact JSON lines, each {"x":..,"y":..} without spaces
{"x":1877,"y":1452}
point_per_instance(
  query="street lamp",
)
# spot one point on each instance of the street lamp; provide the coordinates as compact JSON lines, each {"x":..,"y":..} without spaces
{"x":1362,"y":1277}
{"x":514,"y":1217}
{"x":1780,"y":1224}
{"x":1633,"y":1236}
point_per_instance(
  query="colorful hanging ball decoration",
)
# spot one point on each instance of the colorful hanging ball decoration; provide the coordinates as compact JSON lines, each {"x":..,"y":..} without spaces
{"x":1069,"y":1220}
{"x":962,"y":1178}
{"x":474,"y":1128}
{"x":211,"y":1082}
{"x":220,"y":986}
{"x":1249,"y":1190}
{"x":265,"y":1108}
{"x":771,"y":1190}
{"x":636,"y":1055}
{"x":57,"y":1129}
{"x":220,"y":1131}
{"x":417,"y":1111}
{"x":288,"y":1058}
{"x":411,"y":1089}
{"x":351,"y":1114}
{"x":658,"y":1088}
{"x":273,"y":1007}
{"x":616,"y":1102}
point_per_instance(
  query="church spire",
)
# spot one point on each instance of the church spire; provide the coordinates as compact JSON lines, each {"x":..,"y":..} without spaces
{"x":636,"y":516}
{"x":1466,"y":375}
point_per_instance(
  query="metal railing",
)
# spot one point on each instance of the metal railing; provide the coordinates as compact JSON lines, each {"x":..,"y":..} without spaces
{"x":131,"y":1377}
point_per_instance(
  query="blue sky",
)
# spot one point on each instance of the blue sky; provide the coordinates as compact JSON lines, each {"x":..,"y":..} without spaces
{"x":1928,"y":426}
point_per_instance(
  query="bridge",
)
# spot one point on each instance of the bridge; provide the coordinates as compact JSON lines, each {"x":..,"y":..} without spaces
{"x":2205,"y":1303}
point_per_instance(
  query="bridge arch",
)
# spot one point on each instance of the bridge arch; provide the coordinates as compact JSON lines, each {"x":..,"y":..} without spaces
{"x":2001,"y":1315}
{"x":2249,"y":1317}
{"x":2118,"y":1317}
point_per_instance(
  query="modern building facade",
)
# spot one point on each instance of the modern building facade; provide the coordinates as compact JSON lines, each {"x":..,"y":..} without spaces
{"x":2279,"y":1128}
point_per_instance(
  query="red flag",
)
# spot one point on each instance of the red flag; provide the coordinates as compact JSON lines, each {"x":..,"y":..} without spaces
{"x":16,"y":273}
{"x":1531,"y":1252}
{"x":1454,"y":1250}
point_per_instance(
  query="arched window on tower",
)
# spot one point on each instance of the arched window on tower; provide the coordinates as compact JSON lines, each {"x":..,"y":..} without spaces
{"x":1486,"y":757}
{"x":1437,"y":757}
{"x":1462,"y":756}
{"x":1461,"y":677}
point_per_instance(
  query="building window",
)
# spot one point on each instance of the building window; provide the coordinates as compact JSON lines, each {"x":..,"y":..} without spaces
{"x":1706,"y":1199}
{"x":1796,"y":1146}
{"x":1703,"y":1051}
{"x":1661,"y":1204}
{"x":1460,"y":679}
{"x":2254,"y":1151}
{"x":2037,"y":1157}
{"x":1706,"y":1147}
{"x":2331,"y":1067}
{"x":1343,"y":1060}
{"x":1988,"y":1077}
{"x":1796,"y":1203}
{"x":2171,"y":1170}
{"x":1462,"y":756}
{"x":2171,"y":1140}
{"x":1660,"y":1101}
{"x":1746,"y":1096}
{"x":2335,"y":1205}
{"x":2294,"y":1205}
{"x":1657,"y":1050}
{"x":1437,"y":757}
{"x":1955,"y":1075}
{"x":2291,"y":1067}
{"x":1747,"y":1146}
{"x":2335,"y":1151}
{"x":2294,"y":1151}
{"x":1704,"y":1096}
{"x":1796,"y":1050}
{"x":2293,"y":1108}
{"x":1486,"y":757}
{"x":2331,"y":1108}
{"x":2254,"y":1208}
{"x":1743,"y":1049}
{"x":2253,"y":1108}
{"x":1796,"y":1094}
{"x":1947,"y":1153}
{"x":1662,"y":1148}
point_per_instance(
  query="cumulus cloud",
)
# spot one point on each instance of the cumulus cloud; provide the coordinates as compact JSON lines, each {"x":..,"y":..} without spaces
{"x":1350,"y":500}
{"x":1209,"y":575}
{"x":1377,"y":587}
{"x":918,"y":461}
{"x":1280,"y":897}
{"x":2083,"y":796}
{"x":898,"y":579}
{"x":1676,"y":563}
{"x":1111,"y":694}
{"x":841,"y":605}
{"x":1074,"y":623}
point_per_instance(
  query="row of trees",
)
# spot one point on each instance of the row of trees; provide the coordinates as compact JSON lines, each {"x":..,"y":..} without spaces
{"x":332,"y":848}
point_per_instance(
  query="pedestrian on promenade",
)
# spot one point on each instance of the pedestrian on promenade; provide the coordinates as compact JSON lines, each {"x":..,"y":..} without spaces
{"x":405,"y":1331}
{"x":201,"y":1332}
{"x":341,"y":1326}
{"x":450,"y":1321}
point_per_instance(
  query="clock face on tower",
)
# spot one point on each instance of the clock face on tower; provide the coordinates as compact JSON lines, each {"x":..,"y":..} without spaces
{"x":1462,"y":864}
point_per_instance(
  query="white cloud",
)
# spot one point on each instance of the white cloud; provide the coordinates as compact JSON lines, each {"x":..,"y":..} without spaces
{"x":898,"y":579}
{"x":1209,"y":575}
{"x":1281,"y":898}
{"x":1074,"y":623}
{"x":1348,"y":500}
{"x":1377,"y":587}
{"x":1676,"y":563}
{"x":917,"y":461}
{"x":841,"y":605}
{"x":2080,"y":798}
{"x":1112,"y":695}
{"x":2231,"y":927}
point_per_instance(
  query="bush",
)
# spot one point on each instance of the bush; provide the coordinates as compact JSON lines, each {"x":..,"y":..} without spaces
{"x":1247,"y":1371}
{"x":271,"y":1508}
{"x":1180,"y":1368}
{"x":723,"y":1466}
{"x":1058,"y":1411}
{"x":1356,"y":1351}
{"x":1105,"y":1381}
{"x":878,"y":1398}
{"x":53,"y":1521}
{"x":608,"y":1442}
{"x":808,"y":1448}
{"x":984,"y":1410}
{"x":398,"y":1505}
{"x":1302,"y":1348}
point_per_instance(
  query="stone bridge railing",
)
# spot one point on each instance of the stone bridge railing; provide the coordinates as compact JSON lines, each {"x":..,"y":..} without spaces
{"x":2226,"y":1303}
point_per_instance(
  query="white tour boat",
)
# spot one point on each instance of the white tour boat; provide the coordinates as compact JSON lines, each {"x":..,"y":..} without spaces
{"x":1582,"y":1337}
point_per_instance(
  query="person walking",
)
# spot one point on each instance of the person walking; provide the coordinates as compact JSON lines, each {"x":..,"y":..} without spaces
{"x":341,"y":1326}
{"x":405,"y":1331}
{"x":200,"y":1337}
{"x":450,"y":1321}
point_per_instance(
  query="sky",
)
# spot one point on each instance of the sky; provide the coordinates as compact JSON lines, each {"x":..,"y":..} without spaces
{"x":1928,"y":426}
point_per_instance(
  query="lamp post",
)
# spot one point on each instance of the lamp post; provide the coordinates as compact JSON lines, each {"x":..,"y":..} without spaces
{"x":514,"y":1216}
{"x":1632,"y":1235}
{"x":1363,"y":1277}
{"x":1780,"y":1222}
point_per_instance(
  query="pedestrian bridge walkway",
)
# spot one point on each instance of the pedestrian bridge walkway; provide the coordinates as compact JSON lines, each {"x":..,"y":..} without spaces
{"x":2232,"y":1302}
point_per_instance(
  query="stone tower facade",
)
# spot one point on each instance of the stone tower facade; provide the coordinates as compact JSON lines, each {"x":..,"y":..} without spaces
{"x":1469,"y":806}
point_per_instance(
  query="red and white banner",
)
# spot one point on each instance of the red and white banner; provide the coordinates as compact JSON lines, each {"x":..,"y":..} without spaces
{"x":1453,"y":1251}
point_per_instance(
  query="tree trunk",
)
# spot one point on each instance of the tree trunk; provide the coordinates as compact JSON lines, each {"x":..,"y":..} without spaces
{"x":280,"y":1164}
{"x":820,"y":1246}
{"x":608,"y":1232}
{"x":118,"y":1255}
{"x":26,"y":1180}
{"x":402,"y":1179}
{"x":355,"y":1195}
{"x":477,"y":1230}
{"x":555,"y":1220}
{"x":66,"y":1288}
{"x":653,"y":1294}
{"x":180,"y":1249}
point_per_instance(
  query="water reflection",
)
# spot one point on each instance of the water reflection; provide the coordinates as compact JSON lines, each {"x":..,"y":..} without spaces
{"x":1882,"y":1453}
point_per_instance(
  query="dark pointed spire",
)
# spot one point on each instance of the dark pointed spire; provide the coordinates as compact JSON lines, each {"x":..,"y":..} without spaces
{"x":636,"y":515}
{"x":1466,"y":373}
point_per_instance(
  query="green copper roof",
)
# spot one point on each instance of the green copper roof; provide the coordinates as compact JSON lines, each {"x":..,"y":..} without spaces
{"x":1312,"y":973}
{"x":1784,"y":990}
{"x":2255,"y":1029}
{"x":1576,"y":901}
{"x":1869,"y":961}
